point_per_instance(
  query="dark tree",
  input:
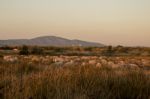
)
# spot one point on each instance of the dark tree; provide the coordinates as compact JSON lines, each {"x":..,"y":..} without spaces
{"x":109,"y":51}
{"x":37,"y":50}
{"x":24,"y":50}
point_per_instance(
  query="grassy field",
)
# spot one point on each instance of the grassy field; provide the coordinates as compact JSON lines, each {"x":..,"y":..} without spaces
{"x":30,"y":79}
{"x":75,"y":73}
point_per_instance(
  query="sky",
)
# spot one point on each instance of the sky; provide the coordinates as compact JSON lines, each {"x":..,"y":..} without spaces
{"x":111,"y":22}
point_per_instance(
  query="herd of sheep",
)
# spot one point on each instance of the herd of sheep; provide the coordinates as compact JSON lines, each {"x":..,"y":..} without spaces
{"x":98,"y":61}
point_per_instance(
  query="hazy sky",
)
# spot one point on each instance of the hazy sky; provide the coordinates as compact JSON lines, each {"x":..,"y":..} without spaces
{"x":115,"y":22}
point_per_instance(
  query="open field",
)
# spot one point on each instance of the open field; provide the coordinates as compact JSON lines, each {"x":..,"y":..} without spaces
{"x":74,"y":73}
{"x":74,"y":49}
{"x":74,"y":77}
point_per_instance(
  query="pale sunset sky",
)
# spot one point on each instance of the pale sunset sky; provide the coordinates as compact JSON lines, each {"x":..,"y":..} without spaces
{"x":111,"y":22}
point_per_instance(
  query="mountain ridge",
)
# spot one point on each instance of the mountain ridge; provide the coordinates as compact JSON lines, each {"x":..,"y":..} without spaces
{"x":49,"y":41}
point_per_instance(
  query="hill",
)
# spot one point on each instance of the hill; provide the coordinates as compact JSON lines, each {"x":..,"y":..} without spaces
{"x":48,"y":41}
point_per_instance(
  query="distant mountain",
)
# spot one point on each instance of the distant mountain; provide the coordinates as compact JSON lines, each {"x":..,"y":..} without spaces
{"x":48,"y":41}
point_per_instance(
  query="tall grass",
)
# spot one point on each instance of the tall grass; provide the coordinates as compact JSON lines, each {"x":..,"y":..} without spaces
{"x":26,"y":81}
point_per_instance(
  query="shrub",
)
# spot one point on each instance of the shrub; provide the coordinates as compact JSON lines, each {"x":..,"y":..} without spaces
{"x":109,"y":51}
{"x":24,"y":50}
{"x":37,"y":51}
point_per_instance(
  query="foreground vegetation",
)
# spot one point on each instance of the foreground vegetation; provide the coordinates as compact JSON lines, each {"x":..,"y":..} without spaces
{"x":74,"y":73}
{"x":22,"y":80}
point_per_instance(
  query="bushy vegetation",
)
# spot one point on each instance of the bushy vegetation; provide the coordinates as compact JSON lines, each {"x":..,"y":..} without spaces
{"x":76,"y":50}
{"x":24,"y":50}
{"x":39,"y":76}
{"x":37,"y":50}
{"x":23,"y":80}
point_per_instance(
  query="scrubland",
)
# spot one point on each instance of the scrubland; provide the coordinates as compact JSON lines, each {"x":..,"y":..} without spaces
{"x":74,"y":77}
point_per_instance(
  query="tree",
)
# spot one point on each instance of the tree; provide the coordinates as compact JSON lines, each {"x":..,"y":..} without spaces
{"x":24,"y":50}
{"x":37,"y":50}
{"x":109,"y":51}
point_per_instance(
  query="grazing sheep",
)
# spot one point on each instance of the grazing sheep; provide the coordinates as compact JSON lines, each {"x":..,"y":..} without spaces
{"x":104,"y":62}
{"x":115,"y":66}
{"x":145,"y":62}
{"x":83,"y":64}
{"x":114,"y":62}
{"x":58,"y":64}
{"x":35,"y":59}
{"x":84,"y":58}
{"x":133,"y":66}
{"x":98,"y":65}
{"x":110,"y":63}
{"x":58,"y":59}
{"x":10,"y":58}
{"x":121,"y":63}
{"x":69,"y":63}
{"x":93,"y":57}
{"x":92,"y":62}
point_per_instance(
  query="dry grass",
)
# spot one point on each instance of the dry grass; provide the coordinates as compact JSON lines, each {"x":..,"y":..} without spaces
{"x":22,"y":80}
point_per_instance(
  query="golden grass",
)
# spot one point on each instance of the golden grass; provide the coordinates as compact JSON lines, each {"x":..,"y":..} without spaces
{"x":33,"y":81}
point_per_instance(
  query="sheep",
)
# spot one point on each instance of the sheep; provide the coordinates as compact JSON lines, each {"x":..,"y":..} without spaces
{"x":10,"y":58}
{"x":98,"y":65}
{"x":92,"y":62}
